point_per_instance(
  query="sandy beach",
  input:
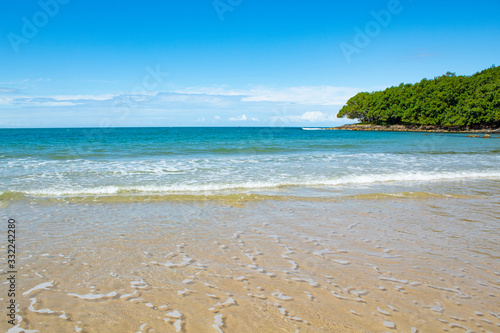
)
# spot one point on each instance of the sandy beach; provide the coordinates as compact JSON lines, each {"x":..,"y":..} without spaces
{"x":227,"y":166}
{"x":411,"y":262}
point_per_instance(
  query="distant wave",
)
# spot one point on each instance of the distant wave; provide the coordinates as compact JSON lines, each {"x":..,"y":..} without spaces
{"x":312,"y":128}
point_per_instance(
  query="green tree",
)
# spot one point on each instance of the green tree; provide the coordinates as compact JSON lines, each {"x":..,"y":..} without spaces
{"x":446,"y":101}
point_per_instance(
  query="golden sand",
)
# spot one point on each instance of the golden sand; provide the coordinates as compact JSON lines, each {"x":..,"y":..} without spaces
{"x":369,"y":265}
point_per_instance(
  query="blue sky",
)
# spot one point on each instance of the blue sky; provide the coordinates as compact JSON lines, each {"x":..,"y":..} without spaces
{"x":75,"y":63}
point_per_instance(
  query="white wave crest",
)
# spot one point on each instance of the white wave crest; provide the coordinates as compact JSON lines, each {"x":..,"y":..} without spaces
{"x":251,"y":185}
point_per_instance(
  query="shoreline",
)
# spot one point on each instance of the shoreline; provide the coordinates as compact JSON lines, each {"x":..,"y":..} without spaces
{"x":405,"y":128}
{"x":261,"y":267}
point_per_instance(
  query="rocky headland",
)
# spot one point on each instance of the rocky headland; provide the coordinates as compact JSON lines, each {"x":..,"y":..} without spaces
{"x":405,"y":128}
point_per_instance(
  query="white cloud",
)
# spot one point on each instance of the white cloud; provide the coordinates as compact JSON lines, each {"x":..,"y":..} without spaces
{"x":289,"y":106}
{"x":34,"y":101}
{"x":8,"y":90}
{"x":101,"y":97}
{"x":315,"y":116}
{"x":6,"y":100}
{"x":311,"y":116}
{"x":54,"y":104}
{"x":208,"y":96}
{"x":306,"y":95}
{"x":212,"y":91}
{"x":55,"y":100}
{"x":240,"y":118}
{"x":192,"y":99}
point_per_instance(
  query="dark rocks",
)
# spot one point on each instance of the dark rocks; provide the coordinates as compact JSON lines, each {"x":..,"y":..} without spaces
{"x":413,"y":128}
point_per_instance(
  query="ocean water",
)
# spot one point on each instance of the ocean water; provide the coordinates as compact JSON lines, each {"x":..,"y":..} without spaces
{"x":250,"y":230}
{"x":198,"y":161}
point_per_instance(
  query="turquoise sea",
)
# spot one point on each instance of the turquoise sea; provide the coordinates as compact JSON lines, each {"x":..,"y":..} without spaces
{"x":250,"y":230}
{"x":58,"y":163}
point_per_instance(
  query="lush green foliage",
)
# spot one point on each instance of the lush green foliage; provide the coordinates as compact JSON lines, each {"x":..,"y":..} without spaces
{"x":446,"y":101}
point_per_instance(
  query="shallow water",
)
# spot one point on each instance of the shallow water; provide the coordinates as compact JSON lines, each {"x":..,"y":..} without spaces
{"x":412,"y":261}
{"x":173,"y":161}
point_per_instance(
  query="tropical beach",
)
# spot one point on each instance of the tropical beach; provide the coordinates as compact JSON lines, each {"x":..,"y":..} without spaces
{"x":235,"y":166}
{"x":309,"y":231}
{"x":360,"y":264}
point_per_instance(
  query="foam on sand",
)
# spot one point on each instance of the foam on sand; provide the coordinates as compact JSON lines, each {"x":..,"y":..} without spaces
{"x":32,"y":309}
{"x":91,"y":296}
{"x":17,"y":328}
{"x":218,"y":323}
{"x":44,"y":285}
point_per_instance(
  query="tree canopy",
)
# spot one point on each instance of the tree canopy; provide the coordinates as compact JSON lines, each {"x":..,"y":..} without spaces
{"x":446,"y":101}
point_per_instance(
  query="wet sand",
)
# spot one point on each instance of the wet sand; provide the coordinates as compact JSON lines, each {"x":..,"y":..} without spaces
{"x":359,"y":265}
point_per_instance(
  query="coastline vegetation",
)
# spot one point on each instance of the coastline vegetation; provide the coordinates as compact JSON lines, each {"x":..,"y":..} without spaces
{"x":448,"y":101}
